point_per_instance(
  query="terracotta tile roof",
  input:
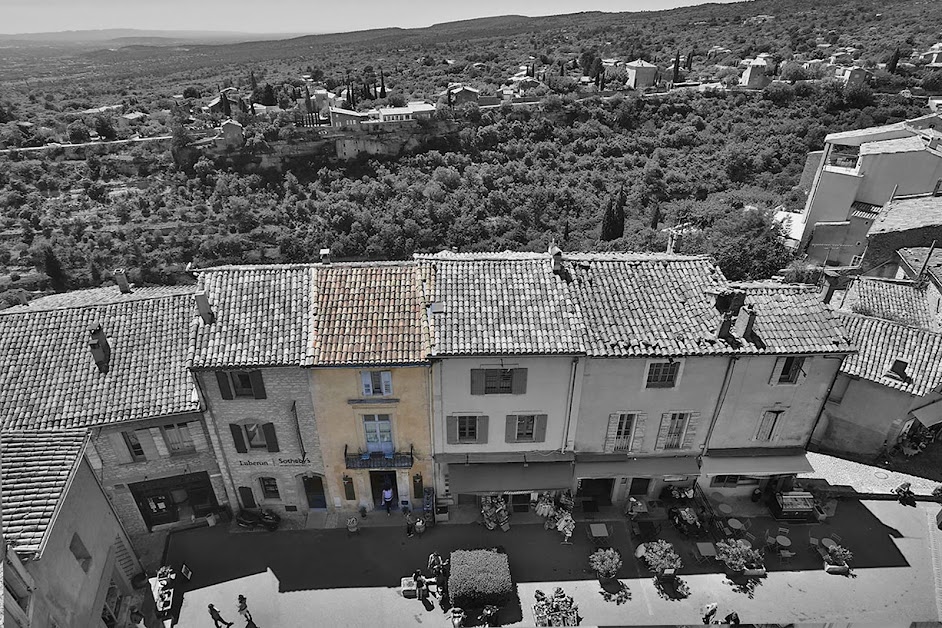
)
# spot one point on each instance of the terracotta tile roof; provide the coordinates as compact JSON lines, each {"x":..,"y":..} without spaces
{"x":616,"y":304}
{"x":903,"y":214}
{"x":915,"y":257}
{"x":98,"y":296}
{"x":881,"y":342}
{"x":48,"y":376}
{"x":369,"y":314}
{"x":263,"y":317}
{"x":890,"y":300}
{"x":36,"y":469}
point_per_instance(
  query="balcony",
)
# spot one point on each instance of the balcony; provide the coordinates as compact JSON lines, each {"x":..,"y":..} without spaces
{"x":378,"y":459}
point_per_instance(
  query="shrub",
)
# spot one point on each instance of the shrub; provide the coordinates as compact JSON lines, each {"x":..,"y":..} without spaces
{"x":660,"y":555}
{"x":838,"y":555}
{"x":738,"y":557}
{"x":478,"y":578}
{"x":606,"y":562}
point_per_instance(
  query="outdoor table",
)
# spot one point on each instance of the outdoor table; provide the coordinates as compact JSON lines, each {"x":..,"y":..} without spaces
{"x":745,"y":543}
{"x":783,"y":541}
{"x":639,"y":552}
{"x":717,"y":496}
{"x":735,"y":524}
{"x":599,"y":532}
{"x":726,"y":509}
{"x":828,"y":542}
{"x":706,"y":549}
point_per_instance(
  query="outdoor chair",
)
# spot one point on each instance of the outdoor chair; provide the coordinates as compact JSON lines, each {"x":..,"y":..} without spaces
{"x":749,"y":536}
{"x":837,"y":538}
{"x":770,"y":541}
{"x":784,"y":531}
{"x":786,"y":556}
{"x":698,"y":557}
{"x":746,"y":524}
{"x":813,"y":542}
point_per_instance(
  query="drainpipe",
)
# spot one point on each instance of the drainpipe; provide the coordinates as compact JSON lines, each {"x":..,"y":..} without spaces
{"x":571,"y":422}
{"x":433,"y":468}
{"x":719,"y":404}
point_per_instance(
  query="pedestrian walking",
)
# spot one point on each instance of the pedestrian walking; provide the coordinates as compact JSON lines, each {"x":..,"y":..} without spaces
{"x":709,"y":611}
{"x":410,"y":526}
{"x":217,"y":618}
{"x":732,"y":619}
{"x":244,"y":610}
{"x":388,"y":498}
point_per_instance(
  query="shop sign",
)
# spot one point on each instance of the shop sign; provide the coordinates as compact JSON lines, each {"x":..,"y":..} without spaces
{"x":277,"y":462}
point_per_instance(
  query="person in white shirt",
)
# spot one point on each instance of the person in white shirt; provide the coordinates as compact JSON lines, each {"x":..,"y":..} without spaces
{"x":387,"y":498}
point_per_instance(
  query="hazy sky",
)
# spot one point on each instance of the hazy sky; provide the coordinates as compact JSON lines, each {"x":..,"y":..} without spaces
{"x":284,"y":16}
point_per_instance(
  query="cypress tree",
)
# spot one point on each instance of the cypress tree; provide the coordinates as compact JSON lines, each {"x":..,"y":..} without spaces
{"x":382,"y":84}
{"x":677,"y":68}
{"x":611,"y":229}
{"x":253,"y":82}
{"x":690,"y":60}
{"x":893,"y":62}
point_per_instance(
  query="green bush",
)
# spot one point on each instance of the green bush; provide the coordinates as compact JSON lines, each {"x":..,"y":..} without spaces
{"x":478,"y":578}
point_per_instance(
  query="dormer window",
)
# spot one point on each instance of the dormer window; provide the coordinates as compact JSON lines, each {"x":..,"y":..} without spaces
{"x":898,"y":370}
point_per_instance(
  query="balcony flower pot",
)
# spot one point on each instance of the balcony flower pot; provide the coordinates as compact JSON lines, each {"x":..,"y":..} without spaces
{"x":740,"y":560}
{"x":661,"y":558}
{"x":606,"y":563}
{"x":837,"y":560}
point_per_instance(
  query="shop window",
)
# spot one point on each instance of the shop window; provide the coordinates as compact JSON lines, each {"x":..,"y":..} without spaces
{"x":662,"y":374}
{"x":81,"y":554}
{"x":732,"y":481}
{"x":269,"y":488}
{"x":376,"y":383}
{"x":178,"y":438}
{"x":134,"y":446}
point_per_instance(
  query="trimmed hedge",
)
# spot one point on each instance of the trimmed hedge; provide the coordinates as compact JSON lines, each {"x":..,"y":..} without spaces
{"x":478,"y":578}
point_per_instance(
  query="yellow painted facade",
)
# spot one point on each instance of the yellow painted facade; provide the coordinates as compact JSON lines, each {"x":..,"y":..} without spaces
{"x":345,"y":414}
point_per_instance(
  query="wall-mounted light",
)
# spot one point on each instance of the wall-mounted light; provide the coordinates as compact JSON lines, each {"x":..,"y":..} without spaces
{"x":417,"y":477}
{"x":347,"y":479}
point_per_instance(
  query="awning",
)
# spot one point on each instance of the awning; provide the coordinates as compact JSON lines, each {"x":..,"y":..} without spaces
{"x":637,"y":467}
{"x":509,"y":476}
{"x":756,"y":465}
{"x":929,"y":414}
{"x":513,"y":456}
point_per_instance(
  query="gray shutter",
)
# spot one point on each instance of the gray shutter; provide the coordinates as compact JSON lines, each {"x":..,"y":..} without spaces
{"x":225,"y":387}
{"x":510,"y":430}
{"x":147,"y":444}
{"x":386,"y":378}
{"x":120,"y":448}
{"x":268,"y":429}
{"x":258,"y":386}
{"x":247,"y":497}
{"x":637,"y":441}
{"x":539,"y":430}
{"x":451,"y":430}
{"x":518,"y":382}
{"x":159,"y":443}
{"x":199,"y":436}
{"x":662,"y":431}
{"x":366,"y":383}
{"x":693,"y":421}
{"x":477,"y":381}
{"x":238,"y":438}
{"x":777,"y":371}
{"x":609,"y":445}
{"x":482,"y":429}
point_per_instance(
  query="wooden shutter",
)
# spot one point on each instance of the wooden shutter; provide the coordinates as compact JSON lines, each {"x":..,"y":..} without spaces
{"x":637,"y":438}
{"x":451,"y":430}
{"x":158,"y":439}
{"x":662,"y":431}
{"x":482,"y":429}
{"x":366,"y":382}
{"x":510,"y":431}
{"x":611,"y":433}
{"x":386,"y":377}
{"x":247,"y":497}
{"x":693,"y":421}
{"x":518,"y":382}
{"x":225,"y":387}
{"x":539,"y":429}
{"x":199,"y":436}
{"x":477,"y":381}
{"x":238,"y":437}
{"x":120,"y":448}
{"x":777,"y":371}
{"x":258,"y":386}
{"x":766,"y":425}
{"x":268,"y":429}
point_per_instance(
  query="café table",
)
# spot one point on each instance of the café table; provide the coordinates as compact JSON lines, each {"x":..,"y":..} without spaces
{"x":745,"y":543}
{"x":828,"y":542}
{"x":726,"y":509}
{"x":735,"y":524}
{"x":707,"y":550}
{"x":599,"y":532}
{"x":783,"y":541}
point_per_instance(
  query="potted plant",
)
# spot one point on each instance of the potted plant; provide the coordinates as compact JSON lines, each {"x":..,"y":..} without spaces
{"x":837,"y":559}
{"x":661,"y":557}
{"x":739,"y":559}
{"x":605,"y":562}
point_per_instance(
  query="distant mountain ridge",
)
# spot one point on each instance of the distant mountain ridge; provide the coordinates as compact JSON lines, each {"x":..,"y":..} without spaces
{"x":137,"y":36}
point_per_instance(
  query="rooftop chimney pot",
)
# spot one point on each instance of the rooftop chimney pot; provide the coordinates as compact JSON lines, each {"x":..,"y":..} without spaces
{"x":121,"y":278}
{"x":98,"y":344}
{"x":325,"y":256}
{"x":745,"y":321}
{"x":204,"y":309}
{"x":557,"y":256}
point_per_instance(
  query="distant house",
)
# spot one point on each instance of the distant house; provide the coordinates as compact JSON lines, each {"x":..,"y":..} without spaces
{"x":716,"y":51}
{"x":641,"y":74}
{"x":129,"y":119}
{"x":104,"y":109}
{"x":933,"y":56}
{"x":346,"y":117}
{"x":756,"y":75}
{"x":459,"y":94}
{"x":414,"y":110}
{"x":217,"y":106}
{"x":913,"y":221}
{"x":854,"y":75}
{"x":611,"y":63}
{"x":232,"y":135}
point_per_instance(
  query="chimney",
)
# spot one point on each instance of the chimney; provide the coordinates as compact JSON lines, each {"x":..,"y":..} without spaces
{"x":98,"y":344}
{"x":744,"y":322}
{"x":204,"y":309}
{"x":121,"y":278}
{"x":831,"y":279}
{"x":729,"y":301}
{"x":325,"y":256}
{"x":726,"y":324}
{"x":557,"y":256}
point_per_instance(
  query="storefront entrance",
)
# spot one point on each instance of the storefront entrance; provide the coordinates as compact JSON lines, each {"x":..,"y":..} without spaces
{"x":639,"y":486}
{"x":380,"y":480}
{"x":314,"y":491}
{"x":599,"y":489}
{"x":177,"y":498}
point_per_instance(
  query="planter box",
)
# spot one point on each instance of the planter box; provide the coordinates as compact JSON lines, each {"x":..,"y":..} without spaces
{"x":755,"y":573}
{"x":839,"y":569}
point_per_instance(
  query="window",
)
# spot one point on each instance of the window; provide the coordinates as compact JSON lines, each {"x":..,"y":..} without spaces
{"x":791,"y":368}
{"x":376,"y":383}
{"x":624,"y":424}
{"x":498,"y":381}
{"x":255,"y":436}
{"x":526,"y":424}
{"x":732,"y":481}
{"x":662,"y":374}
{"x":178,"y":438}
{"x":467,"y":429}
{"x":134,"y":446}
{"x":767,"y":424}
{"x":855,"y":260}
{"x":240,"y":384}
{"x":269,"y":488}
{"x":675,"y":430}
{"x":378,"y":430}
{"x":81,"y":554}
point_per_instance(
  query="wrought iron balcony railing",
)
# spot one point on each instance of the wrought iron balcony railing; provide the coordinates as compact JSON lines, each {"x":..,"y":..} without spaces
{"x":378,"y":459}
